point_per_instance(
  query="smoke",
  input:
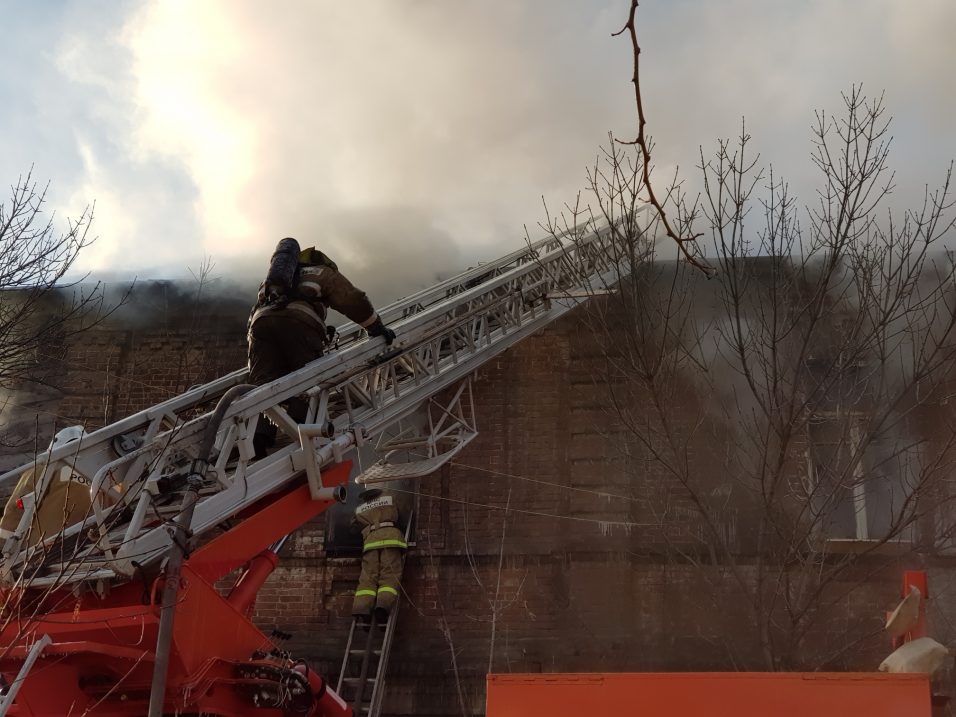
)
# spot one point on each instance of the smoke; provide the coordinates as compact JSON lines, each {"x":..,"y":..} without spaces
{"x":428,"y":128}
{"x":388,"y":253}
{"x":214,"y":129}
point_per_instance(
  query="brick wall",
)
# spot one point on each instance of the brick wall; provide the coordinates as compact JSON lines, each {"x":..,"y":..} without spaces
{"x":154,"y":346}
{"x":579,"y":574}
{"x":558,"y":579}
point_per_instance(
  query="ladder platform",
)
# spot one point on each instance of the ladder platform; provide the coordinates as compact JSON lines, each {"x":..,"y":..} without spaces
{"x":381,"y":471}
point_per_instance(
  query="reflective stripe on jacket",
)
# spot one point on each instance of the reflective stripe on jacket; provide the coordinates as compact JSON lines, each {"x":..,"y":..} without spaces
{"x":320,"y":288}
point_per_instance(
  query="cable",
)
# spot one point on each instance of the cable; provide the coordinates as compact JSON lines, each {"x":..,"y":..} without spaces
{"x":602,"y":494}
{"x":621,"y":523}
{"x":558,"y":516}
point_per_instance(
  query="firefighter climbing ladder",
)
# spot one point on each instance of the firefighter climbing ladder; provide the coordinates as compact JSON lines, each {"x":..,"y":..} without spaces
{"x":360,"y":394}
{"x":362,"y":675}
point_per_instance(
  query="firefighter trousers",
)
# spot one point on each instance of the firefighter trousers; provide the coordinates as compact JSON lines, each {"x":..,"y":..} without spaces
{"x":379,"y":581}
{"x":280,"y":342}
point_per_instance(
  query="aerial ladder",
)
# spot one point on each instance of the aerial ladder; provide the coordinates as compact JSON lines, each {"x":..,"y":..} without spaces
{"x":119,"y":614}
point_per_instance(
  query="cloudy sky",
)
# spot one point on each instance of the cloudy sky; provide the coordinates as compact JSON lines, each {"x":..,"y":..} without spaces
{"x":410,"y":138}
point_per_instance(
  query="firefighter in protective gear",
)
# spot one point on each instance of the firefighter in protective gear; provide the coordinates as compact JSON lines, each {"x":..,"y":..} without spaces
{"x":66,"y":501}
{"x":383,"y":546}
{"x":287,"y":325}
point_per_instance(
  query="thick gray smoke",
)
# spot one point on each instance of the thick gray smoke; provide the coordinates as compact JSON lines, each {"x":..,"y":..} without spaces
{"x":214,"y":129}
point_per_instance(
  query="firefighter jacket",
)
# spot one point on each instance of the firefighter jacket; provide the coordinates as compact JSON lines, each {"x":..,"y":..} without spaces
{"x":66,"y":502}
{"x":319,"y":288}
{"x":378,"y":520}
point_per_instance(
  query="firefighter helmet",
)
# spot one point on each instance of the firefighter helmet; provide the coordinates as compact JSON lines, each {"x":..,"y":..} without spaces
{"x":369,"y":494}
{"x":67,"y":435}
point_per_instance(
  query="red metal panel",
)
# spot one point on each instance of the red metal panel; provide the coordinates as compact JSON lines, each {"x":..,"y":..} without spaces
{"x":100,"y":662}
{"x":715,"y":694}
{"x":207,"y":626}
{"x":919,"y":580}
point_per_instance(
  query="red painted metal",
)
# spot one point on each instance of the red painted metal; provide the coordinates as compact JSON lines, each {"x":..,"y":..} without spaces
{"x":243,"y":595}
{"x":100,"y":662}
{"x":715,"y":694}
{"x":268,"y":521}
{"x":919,"y":580}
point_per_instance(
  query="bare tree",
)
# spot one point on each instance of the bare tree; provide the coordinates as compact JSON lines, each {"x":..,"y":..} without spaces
{"x":787,"y":421}
{"x":36,"y":308}
{"x":40,"y":308}
{"x":787,"y":415}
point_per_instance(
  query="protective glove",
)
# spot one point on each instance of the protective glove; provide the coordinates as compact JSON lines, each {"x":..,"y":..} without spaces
{"x":380,"y":329}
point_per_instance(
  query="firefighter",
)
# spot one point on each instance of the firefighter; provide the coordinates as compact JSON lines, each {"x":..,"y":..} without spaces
{"x":67,"y":499}
{"x":383,"y":545}
{"x":287,"y":325}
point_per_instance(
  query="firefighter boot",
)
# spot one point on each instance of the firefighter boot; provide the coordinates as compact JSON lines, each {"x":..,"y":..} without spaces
{"x":265,"y":436}
{"x":297,"y":408}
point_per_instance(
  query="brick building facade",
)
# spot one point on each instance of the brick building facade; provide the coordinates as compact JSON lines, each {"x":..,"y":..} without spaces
{"x":538,"y":549}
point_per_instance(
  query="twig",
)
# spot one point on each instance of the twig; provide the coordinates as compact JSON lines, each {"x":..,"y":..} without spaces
{"x":641,"y":142}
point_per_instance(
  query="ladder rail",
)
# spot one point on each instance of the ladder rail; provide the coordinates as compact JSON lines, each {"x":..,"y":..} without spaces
{"x":378,"y":687}
{"x":345,"y":657}
{"x":362,"y":680}
{"x":210,"y":511}
{"x":448,"y":287}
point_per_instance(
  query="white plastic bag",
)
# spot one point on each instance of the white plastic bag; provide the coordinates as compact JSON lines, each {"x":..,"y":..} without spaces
{"x":923,"y":655}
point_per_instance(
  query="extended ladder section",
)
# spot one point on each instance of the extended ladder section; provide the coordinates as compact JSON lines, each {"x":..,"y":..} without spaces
{"x":410,"y":401}
{"x":362,"y":676}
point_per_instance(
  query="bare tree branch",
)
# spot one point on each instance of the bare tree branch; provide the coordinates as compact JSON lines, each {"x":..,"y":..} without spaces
{"x":683,"y":242}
